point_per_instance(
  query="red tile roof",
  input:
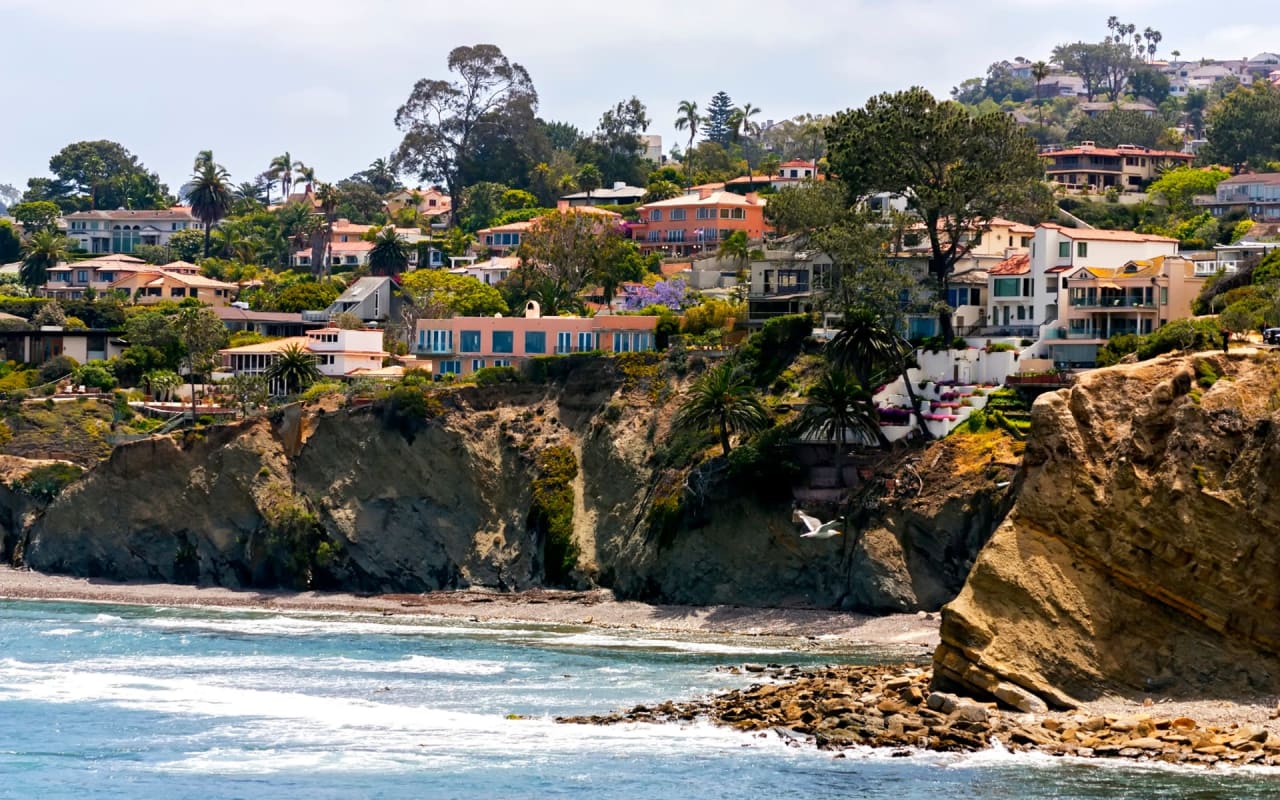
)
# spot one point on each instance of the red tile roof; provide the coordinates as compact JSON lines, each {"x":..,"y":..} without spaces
{"x":1014,"y":265}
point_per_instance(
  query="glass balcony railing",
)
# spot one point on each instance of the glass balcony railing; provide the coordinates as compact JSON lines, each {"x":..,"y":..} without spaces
{"x":1112,"y":302}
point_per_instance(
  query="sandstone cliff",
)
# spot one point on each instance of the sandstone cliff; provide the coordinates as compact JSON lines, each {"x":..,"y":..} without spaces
{"x":1143,"y":552}
{"x":336,"y":498}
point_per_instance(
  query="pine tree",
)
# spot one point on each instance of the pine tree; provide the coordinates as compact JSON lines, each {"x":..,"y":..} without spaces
{"x":719,"y":110}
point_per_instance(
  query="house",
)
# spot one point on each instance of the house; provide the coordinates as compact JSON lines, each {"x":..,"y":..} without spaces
{"x":348,"y":248}
{"x":620,"y":194}
{"x":338,"y":353}
{"x":1258,"y":195}
{"x":695,"y":222}
{"x":490,"y":272}
{"x":501,"y":240}
{"x":784,"y":282}
{"x":1136,"y":298}
{"x":1025,"y":302}
{"x":177,"y":281}
{"x":462,"y":345}
{"x":263,"y":323}
{"x":370,"y":298}
{"x":121,"y":231}
{"x":69,"y":281}
{"x":431,"y":203}
{"x":651,"y":149}
{"x":1141,"y":106}
{"x":1126,"y":167}
{"x":38,"y":346}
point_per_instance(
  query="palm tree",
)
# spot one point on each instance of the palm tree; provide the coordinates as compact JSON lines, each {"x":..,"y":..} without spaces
{"x":725,"y":400}
{"x":329,"y":197}
{"x":295,"y":368}
{"x":839,"y":405}
{"x":873,"y":353}
{"x":687,"y":117}
{"x":589,"y":179}
{"x":305,"y":174}
{"x":247,"y":197}
{"x":281,"y":169}
{"x":738,"y":248}
{"x":389,"y":255}
{"x":162,"y":383}
{"x":44,"y":250}
{"x":210,"y":195}
{"x":1040,"y":71}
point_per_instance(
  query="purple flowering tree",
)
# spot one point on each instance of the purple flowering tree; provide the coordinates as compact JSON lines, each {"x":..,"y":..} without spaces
{"x":672,"y":294}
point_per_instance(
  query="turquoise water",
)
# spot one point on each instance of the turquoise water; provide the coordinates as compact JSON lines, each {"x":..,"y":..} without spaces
{"x":111,"y":701}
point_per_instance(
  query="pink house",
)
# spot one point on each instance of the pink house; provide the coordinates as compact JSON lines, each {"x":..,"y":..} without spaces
{"x":462,"y":345}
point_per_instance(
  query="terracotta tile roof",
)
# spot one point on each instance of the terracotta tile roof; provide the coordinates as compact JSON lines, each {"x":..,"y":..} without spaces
{"x":1014,"y":265}
{"x":1117,"y":152}
{"x":716,"y":198}
{"x":176,"y":212}
{"x":1264,"y":178}
{"x":351,"y":247}
{"x":1014,"y":227}
{"x":675,"y":268}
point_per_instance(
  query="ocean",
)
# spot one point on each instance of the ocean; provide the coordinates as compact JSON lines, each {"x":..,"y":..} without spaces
{"x":100,"y":701}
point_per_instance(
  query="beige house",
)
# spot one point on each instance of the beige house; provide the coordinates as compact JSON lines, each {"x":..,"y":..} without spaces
{"x":1096,"y":303}
{"x":1126,"y":167}
{"x":150,"y":286}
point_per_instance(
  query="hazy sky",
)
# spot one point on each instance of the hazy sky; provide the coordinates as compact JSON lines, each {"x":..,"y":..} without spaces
{"x":322,"y":79}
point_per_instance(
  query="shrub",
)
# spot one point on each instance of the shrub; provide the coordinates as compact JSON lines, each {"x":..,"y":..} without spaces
{"x":407,"y":408}
{"x":321,"y":389}
{"x":95,"y":375}
{"x":1206,"y":375}
{"x":770,"y":350}
{"x":491,"y":376}
{"x":999,"y":347}
{"x":552,"y":511}
{"x":57,"y":368}
{"x":47,"y":482}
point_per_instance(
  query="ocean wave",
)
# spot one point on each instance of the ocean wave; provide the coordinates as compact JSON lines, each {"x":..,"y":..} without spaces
{"x":606,"y":641}
{"x":61,"y":632}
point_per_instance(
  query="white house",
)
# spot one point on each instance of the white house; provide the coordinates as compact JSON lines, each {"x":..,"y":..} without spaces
{"x":121,"y":231}
{"x":338,"y":353}
{"x":490,"y":272}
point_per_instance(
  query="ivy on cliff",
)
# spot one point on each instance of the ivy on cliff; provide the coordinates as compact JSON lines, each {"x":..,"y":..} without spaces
{"x":552,"y":511}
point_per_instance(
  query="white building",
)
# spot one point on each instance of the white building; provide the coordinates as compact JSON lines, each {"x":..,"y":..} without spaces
{"x":338,"y":353}
{"x":121,"y":231}
{"x":490,"y":272}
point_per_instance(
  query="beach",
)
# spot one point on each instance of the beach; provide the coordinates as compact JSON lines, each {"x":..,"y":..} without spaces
{"x":545,"y":606}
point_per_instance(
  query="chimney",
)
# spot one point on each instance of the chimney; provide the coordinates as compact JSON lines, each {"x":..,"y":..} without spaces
{"x":562,"y":205}
{"x":753,"y":198}
{"x":704,"y":192}
{"x":619,"y":184}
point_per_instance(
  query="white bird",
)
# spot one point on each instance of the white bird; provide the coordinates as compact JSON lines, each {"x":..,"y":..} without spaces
{"x":816,"y":528}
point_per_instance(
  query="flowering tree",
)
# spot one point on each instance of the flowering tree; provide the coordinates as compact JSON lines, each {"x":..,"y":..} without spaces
{"x":673,"y":294}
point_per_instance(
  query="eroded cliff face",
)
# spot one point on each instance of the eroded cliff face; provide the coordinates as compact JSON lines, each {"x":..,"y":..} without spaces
{"x":1143,"y":552}
{"x":342,"y":499}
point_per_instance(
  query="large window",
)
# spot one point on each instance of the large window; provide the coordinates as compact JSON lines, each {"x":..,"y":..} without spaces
{"x":564,"y":342}
{"x":1007,"y":287}
{"x":477,"y":363}
{"x":1064,"y":249}
{"x":470,"y":342}
{"x":503,"y":342}
{"x":587,"y":342}
{"x":706,"y":213}
{"x":677,"y":214}
{"x":535,"y":342}
{"x":450,"y":367}
{"x":435,"y":341}
{"x":655,"y":215}
{"x":1082,"y":249}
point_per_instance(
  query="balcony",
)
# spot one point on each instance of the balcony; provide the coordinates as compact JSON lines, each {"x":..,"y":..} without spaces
{"x":315,"y":316}
{"x":1113,"y":303}
{"x":1208,"y":269}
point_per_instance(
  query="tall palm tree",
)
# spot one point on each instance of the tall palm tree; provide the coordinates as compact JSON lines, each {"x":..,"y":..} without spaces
{"x":389,"y":255}
{"x":687,"y":118}
{"x":839,"y":405}
{"x":44,"y":249}
{"x":589,"y":179}
{"x":741,"y":126}
{"x":723,"y":399}
{"x":1040,"y":71}
{"x":305,"y":174}
{"x":295,"y":368}
{"x":247,"y":197}
{"x":738,"y":249}
{"x":210,"y":195}
{"x":281,"y":169}
{"x":329,"y":196}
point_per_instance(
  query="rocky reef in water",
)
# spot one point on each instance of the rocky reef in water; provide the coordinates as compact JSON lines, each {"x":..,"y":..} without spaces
{"x":358,"y":499}
{"x":1142,"y":556}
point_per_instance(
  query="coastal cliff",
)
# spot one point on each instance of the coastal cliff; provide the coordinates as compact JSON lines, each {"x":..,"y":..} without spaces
{"x":1142,"y":554}
{"x":357,"y":500}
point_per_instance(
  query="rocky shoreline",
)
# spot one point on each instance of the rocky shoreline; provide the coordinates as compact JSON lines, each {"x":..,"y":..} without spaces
{"x":841,"y":707}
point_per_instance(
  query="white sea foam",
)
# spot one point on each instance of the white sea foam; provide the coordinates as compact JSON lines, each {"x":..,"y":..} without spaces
{"x":605,"y":641}
{"x":61,"y":632}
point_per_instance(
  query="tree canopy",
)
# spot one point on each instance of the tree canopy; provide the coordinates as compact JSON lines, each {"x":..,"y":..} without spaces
{"x":1122,"y":126}
{"x":956,"y":170}
{"x":1178,"y":187}
{"x":99,"y":174}
{"x":1244,"y":129}
{"x":437,"y":293}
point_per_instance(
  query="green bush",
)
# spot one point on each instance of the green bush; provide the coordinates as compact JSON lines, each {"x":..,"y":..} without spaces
{"x":47,"y":482}
{"x":999,"y":347}
{"x":95,"y":375}
{"x":491,"y":376}
{"x":770,"y":350}
{"x":1206,"y":375}
{"x":57,"y":368}
{"x":552,"y":511}
{"x":321,"y":389}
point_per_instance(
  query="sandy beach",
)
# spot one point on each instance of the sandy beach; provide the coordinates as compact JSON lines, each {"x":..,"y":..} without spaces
{"x":596,"y":608}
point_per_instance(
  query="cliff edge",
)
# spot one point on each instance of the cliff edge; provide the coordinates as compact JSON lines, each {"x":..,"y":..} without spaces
{"x":1142,"y":554}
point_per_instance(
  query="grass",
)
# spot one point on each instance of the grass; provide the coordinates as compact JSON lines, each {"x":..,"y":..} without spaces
{"x":75,"y":432}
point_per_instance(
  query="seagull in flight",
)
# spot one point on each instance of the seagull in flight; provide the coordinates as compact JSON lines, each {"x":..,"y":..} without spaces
{"x":816,"y":528}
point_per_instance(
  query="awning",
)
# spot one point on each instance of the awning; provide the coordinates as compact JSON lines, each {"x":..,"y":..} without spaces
{"x":1108,"y":285}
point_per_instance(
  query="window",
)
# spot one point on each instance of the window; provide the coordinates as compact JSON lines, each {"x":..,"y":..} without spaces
{"x":641,"y":341}
{"x":1082,"y":249}
{"x":564,"y":342}
{"x":470,"y":342}
{"x":535,"y":342}
{"x":82,"y":276}
{"x":655,"y":215}
{"x":587,"y":342}
{"x":675,"y":235}
{"x":435,"y":341}
{"x":706,"y":213}
{"x":677,"y":214}
{"x":450,"y":367}
{"x":107,"y":277}
{"x":178,"y":291}
{"x":621,"y":342}
{"x":502,"y":362}
{"x":653,"y":236}
{"x":503,"y":342}
{"x":1064,"y":249}
{"x":1164,"y":295}
{"x":1026,"y":241}
{"x":1027,"y":291}
{"x":1006,"y":287}
{"x":1022,"y":312}
{"x":477,"y":363}
{"x":738,"y":213}
{"x":724,"y":213}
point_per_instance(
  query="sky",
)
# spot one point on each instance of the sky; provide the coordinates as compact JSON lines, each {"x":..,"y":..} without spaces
{"x":322,"y":79}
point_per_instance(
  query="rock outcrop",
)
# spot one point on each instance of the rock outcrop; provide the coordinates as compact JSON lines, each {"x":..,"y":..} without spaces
{"x":348,"y":499}
{"x":1143,"y":552}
